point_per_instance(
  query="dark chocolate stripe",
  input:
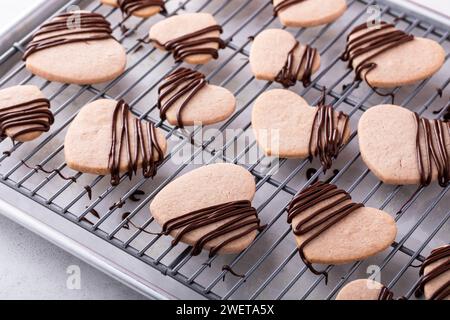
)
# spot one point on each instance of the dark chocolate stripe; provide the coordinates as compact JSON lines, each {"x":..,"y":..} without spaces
{"x":431,"y":134}
{"x":288,"y":75}
{"x":187,"y":45}
{"x":436,"y":255}
{"x":374,"y":42}
{"x":327,"y":133}
{"x":129,"y":7}
{"x":179,"y":83}
{"x":69,"y":28}
{"x":284,"y":5}
{"x":240,"y":215}
{"x":310,"y":197}
{"x":35,"y":113}
{"x":121,"y":141}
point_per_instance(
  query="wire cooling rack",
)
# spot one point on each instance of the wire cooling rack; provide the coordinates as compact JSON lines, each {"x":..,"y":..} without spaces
{"x":271,"y":265}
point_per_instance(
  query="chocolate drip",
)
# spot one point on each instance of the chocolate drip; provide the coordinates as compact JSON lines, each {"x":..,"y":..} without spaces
{"x":38,"y":167}
{"x":432,"y":133}
{"x":60,"y":31}
{"x":410,"y":199}
{"x":121,"y":141}
{"x":142,"y":41}
{"x":312,"y":171}
{"x":335,"y":211}
{"x":134,"y":196}
{"x":283,"y":5}
{"x":117,"y":205}
{"x":436,"y":255}
{"x":88,"y":191}
{"x":327,"y":133}
{"x":129,"y":7}
{"x":95,"y":213}
{"x":188,"y":45}
{"x":385,"y":294}
{"x":230,"y":270}
{"x":374,"y":42}
{"x":179,"y":83}
{"x":129,"y":222}
{"x":288,"y":75}
{"x":238,"y":214}
{"x":446,"y":112}
{"x":34,"y":114}
{"x":62,"y":176}
{"x":438,"y":111}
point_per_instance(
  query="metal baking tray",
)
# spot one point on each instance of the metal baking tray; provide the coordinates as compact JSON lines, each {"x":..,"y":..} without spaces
{"x":54,"y":208}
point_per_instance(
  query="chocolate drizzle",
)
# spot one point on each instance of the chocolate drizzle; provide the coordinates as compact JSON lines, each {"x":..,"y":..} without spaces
{"x":230,"y":270}
{"x":142,"y":137}
{"x":129,"y":7}
{"x":310,"y":172}
{"x":117,"y":205}
{"x":128,"y":222}
{"x":94,"y":213}
{"x":38,"y":167}
{"x":327,"y":133}
{"x":289,"y":74}
{"x":321,"y":219}
{"x":134,"y":196}
{"x":181,"y":82}
{"x":192,"y":44}
{"x":372,"y":42}
{"x":88,"y":191}
{"x":385,"y":294}
{"x":34,"y":115}
{"x":436,"y":255}
{"x":283,"y":5}
{"x":73,"y":179}
{"x":431,"y":134}
{"x":237,"y":215}
{"x":67,"y":28}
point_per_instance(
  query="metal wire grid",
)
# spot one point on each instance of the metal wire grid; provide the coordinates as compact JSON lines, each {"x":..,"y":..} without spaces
{"x":269,"y":271}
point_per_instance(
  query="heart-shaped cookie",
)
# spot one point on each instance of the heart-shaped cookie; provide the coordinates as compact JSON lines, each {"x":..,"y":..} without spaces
{"x":76,"y":47}
{"x":331,"y":229}
{"x":364,"y":289}
{"x":186,"y":98}
{"x":100,"y":141}
{"x":388,"y":141}
{"x":209,"y":208}
{"x":386,"y":57}
{"x":191,"y":37}
{"x":435,"y":275}
{"x":308,"y":13}
{"x":138,"y":8}
{"x":276,"y":55}
{"x":24,"y":113}
{"x":286,"y":126}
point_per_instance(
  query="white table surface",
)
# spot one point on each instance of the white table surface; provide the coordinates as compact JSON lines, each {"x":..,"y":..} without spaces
{"x":31,"y":267}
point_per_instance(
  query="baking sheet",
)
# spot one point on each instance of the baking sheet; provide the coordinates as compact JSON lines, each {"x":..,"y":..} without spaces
{"x":142,"y":273}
